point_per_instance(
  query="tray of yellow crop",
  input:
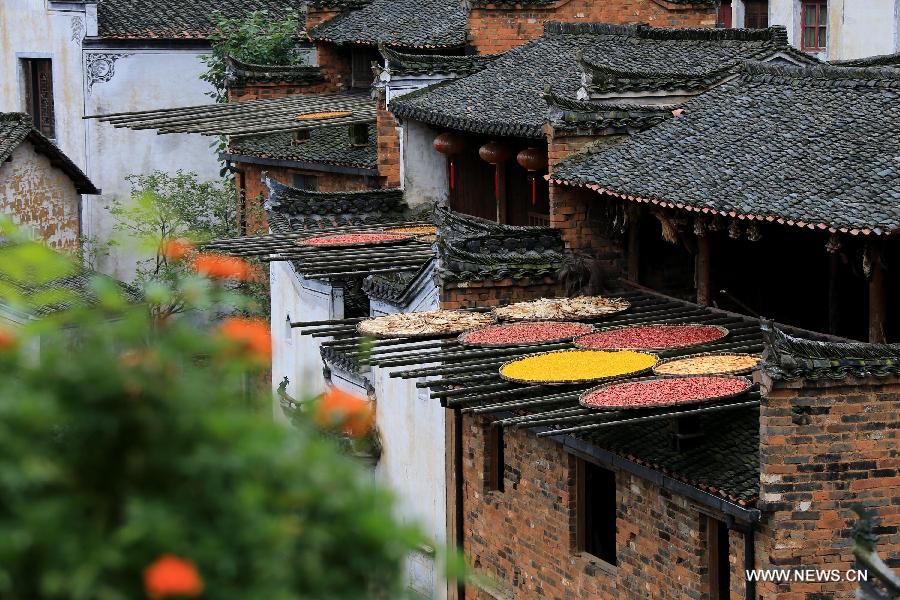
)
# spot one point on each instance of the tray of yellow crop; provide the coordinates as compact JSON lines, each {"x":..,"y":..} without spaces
{"x":709,"y":363}
{"x":431,"y":323}
{"x":570,"y":367}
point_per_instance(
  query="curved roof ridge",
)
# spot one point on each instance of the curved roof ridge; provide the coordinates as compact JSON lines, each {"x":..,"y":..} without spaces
{"x":823,"y":73}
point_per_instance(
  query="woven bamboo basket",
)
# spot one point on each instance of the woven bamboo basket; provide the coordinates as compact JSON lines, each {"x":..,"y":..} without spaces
{"x":400,"y":239}
{"x":503,"y":313}
{"x":391,"y":326}
{"x":721,"y":329}
{"x":626,"y":374}
{"x":708,"y":400}
{"x":462,"y":337}
{"x":745,"y":371}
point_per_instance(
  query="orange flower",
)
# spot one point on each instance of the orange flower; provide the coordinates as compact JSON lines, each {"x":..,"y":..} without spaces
{"x":351,"y":414}
{"x":252,"y":335}
{"x":176,"y":248}
{"x":7,"y":339}
{"x":172,"y":576}
{"x":217,"y":266}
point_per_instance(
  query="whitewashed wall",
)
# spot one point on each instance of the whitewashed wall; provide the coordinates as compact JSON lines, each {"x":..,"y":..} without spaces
{"x":123,"y":80}
{"x":425,"y":176}
{"x":30,"y":29}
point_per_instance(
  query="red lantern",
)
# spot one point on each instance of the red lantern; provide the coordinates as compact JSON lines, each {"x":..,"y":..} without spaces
{"x":533,"y":160}
{"x":450,"y":144}
{"x":496,"y":154}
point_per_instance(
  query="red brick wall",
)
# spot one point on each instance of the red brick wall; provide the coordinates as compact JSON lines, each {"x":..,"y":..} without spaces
{"x":316,"y":16}
{"x":499,"y":29}
{"x":492,"y":293}
{"x":335,"y":65}
{"x":824,"y":446}
{"x":261,"y":91}
{"x":388,"y":145}
{"x":523,"y":538}
{"x":256,"y":191}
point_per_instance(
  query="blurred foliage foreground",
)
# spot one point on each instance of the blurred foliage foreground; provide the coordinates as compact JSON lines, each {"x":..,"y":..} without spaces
{"x":137,"y":461}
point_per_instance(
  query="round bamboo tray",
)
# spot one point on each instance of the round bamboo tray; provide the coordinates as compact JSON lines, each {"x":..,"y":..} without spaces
{"x":426,"y":324}
{"x":747,"y":384}
{"x":507,"y":313}
{"x":463,"y":341}
{"x":723,"y":333}
{"x":376,"y":240}
{"x":651,"y":362}
{"x":739,"y":371}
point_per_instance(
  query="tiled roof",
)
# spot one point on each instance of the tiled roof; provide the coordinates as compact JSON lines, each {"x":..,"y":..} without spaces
{"x":239,"y":73}
{"x":179,"y":19}
{"x":786,"y":144}
{"x":789,"y":357}
{"x":402,"y":63}
{"x":882,"y":60}
{"x":16,"y":128}
{"x":399,"y":289}
{"x":504,"y":99}
{"x":594,"y":118}
{"x":292,"y":209}
{"x":326,"y":145}
{"x":725,"y":462}
{"x":406,"y":23}
{"x":473,"y":249}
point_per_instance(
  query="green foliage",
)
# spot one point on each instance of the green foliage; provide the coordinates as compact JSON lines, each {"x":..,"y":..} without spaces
{"x":127,"y":436}
{"x":164,"y":206}
{"x":255,"y":39}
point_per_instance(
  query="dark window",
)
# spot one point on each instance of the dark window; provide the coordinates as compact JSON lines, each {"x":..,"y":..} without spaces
{"x":361,"y":63}
{"x":494,"y":454}
{"x":306,"y":182}
{"x":719,"y":567}
{"x":39,"y":94}
{"x":596,"y":511}
{"x":813,"y":25}
{"x":724,"y":14}
{"x":756,"y":14}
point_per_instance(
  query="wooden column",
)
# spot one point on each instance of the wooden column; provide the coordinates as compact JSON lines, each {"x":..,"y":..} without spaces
{"x":834,"y":263}
{"x":877,"y":298}
{"x":501,"y":191}
{"x":634,"y":256}
{"x":702,"y":264}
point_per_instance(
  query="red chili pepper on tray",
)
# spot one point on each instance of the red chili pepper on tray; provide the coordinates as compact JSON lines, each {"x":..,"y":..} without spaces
{"x":514,"y":334}
{"x":663,"y":392}
{"x":651,"y":337}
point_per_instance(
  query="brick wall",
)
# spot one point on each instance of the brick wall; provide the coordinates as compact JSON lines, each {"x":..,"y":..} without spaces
{"x":388,"y":144}
{"x":256,"y":190}
{"x":315,"y":16}
{"x":493,"y":29}
{"x":825,"y":445}
{"x":523,"y":537}
{"x":493,"y":293}
{"x":280,"y":89}
{"x":335,"y":65}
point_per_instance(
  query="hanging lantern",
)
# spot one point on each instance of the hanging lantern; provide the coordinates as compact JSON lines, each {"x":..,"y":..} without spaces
{"x":496,"y":154}
{"x":533,"y":160}
{"x":450,"y":144}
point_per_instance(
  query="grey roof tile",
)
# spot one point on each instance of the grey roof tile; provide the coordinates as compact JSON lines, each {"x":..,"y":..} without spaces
{"x":778,"y":142}
{"x":239,"y":73}
{"x":406,"y":23}
{"x":326,"y":145}
{"x":293,"y":209}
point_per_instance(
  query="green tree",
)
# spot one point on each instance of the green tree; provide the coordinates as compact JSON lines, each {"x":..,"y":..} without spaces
{"x":256,"y":39}
{"x":125,"y":438}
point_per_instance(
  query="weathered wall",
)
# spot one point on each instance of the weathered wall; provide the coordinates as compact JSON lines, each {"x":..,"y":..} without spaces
{"x":523,"y":537}
{"x":494,"y":293}
{"x":388,"y":144}
{"x":29,"y":29}
{"x":38,"y":195}
{"x":425,"y":175}
{"x":493,"y":29}
{"x":825,"y":445}
{"x":139,"y":80}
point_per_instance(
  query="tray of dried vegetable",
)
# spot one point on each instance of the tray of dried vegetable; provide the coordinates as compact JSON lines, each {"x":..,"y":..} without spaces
{"x":708,"y":363}
{"x":348,"y":240}
{"x":658,"y":392}
{"x":418,"y":231}
{"x":569,"y":367}
{"x":562,"y":309}
{"x":651,"y":337}
{"x":430,"y":323}
{"x":523,"y":333}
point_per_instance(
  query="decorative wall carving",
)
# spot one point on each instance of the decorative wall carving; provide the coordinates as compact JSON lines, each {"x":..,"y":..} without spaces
{"x":77,"y":30}
{"x":100,"y":67}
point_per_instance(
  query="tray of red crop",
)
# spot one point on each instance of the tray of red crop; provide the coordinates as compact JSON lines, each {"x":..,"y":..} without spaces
{"x":523,"y":333}
{"x":659,"y":392}
{"x":347,"y":240}
{"x":651,"y":337}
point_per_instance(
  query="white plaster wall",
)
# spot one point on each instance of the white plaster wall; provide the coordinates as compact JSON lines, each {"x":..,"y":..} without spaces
{"x":141,"y":80}
{"x":425,"y":176}
{"x":37,"y":195}
{"x":29,"y":29}
{"x":294,"y":356}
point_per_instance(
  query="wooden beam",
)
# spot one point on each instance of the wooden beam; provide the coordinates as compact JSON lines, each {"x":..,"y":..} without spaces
{"x":634,"y":256}
{"x":702,"y":271}
{"x":877,"y":298}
